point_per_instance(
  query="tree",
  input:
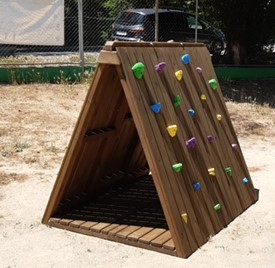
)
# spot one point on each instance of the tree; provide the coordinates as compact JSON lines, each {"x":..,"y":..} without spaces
{"x":248,"y":24}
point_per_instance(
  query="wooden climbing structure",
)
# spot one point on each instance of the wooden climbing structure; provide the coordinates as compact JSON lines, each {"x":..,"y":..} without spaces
{"x":154,"y":161}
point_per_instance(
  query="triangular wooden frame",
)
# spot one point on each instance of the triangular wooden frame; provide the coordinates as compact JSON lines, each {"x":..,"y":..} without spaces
{"x":200,"y":175}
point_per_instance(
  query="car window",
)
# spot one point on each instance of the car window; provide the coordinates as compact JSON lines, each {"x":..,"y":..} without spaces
{"x":172,"y":21}
{"x":192,"y":22}
{"x":129,"y":18}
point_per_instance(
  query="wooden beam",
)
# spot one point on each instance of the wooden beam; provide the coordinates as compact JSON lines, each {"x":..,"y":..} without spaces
{"x":108,"y":57}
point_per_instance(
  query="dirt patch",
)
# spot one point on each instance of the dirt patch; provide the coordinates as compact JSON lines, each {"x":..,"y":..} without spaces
{"x":35,"y":126}
{"x":7,"y":178}
{"x":37,"y":121}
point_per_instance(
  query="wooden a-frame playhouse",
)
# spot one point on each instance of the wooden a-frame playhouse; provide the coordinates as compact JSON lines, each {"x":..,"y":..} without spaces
{"x":154,"y":161}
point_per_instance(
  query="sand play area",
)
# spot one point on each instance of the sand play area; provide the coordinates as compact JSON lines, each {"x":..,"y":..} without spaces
{"x":36,"y":123}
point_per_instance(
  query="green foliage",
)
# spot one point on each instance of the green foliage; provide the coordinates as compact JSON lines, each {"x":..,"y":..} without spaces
{"x":114,"y":6}
{"x":248,"y":21}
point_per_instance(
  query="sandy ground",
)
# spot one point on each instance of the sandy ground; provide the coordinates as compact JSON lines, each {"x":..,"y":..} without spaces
{"x":36,"y":123}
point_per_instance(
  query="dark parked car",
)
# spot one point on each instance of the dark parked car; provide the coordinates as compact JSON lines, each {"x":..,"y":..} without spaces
{"x":176,"y":25}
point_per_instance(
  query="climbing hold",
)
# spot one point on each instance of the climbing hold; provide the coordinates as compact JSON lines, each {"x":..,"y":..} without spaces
{"x":156,"y":108}
{"x":211,"y":171}
{"x":177,"y":101}
{"x":235,"y":146}
{"x":185,"y":59}
{"x":160,"y":67}
{"x":191,"y":143}
{"x":219,"y":117}
{"x":191,"y":112}
{"x":217,"y":207}
{"x":228,"y":171}
{"x":210,"y":138}
{"x":196,"y":186}
{"x":138,"y":70}
{"x":213,"y":84}
{"x":184,"y":217}
{"x":177,"y":167}
{"x":245,"y":180}
{"x":179,"y":74}
{"x":172,"y":130}
{"x":199,"y":70}
{"x":203,"y":97}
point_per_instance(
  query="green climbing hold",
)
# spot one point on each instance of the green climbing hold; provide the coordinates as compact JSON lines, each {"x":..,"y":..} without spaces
{"x":138,"y":70}
{"x":228,"y":171}
{"x":217,"y":207}
{"x":213,"y":84}
{"x":177,"y":167}
{"x":177,"y":101}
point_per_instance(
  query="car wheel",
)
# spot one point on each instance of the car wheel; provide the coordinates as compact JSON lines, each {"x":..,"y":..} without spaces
{"x":216,"y":47}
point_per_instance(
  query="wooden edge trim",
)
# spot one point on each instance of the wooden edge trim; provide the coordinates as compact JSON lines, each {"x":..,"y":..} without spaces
{"x":111,"y":46}
{"x":108,"y":57}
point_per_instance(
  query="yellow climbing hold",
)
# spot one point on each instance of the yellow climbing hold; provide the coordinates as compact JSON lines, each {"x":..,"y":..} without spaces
{"x":179,"y":74}
{"x":184,"y":217}
{"x":203,"y":97}
{"x":211,"y":171}
{"x":172,"y":130}
{"x":219,"y":117}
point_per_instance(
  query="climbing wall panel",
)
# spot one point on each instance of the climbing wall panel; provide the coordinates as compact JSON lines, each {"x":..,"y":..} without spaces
{"x":209,"y":191}
{"x":152,"y":107}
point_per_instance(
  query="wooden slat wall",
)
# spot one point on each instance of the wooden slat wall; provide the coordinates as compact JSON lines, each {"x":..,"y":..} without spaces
{"x":176,"y":189}
{"x":114,"y":146}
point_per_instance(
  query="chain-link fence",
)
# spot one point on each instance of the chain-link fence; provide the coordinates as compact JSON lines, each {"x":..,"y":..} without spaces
{"x":90,"y":23}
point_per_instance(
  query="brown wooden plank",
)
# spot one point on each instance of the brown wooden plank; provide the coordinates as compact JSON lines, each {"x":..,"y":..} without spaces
{"x":169,"y":244}
{"x":139,"y":233}
{"x":108,"y":57}
{"x":65,"y":221}
{"x":111,"y":45}
{"x":117,"y":229}
{"x":107,"y":229}
{"x":52,"y":220}
{"x":160,"y":240}
{"x":87,"y":225}
{"x":155,"y":44}
{"x":76,"y":223}
{"x":147,"y":238}
{"x":127,"y":231}
{"x":98,"y":227}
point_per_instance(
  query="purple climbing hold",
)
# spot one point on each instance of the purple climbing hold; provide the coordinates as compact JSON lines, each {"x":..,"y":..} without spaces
{"x":210,"y":138}
{"x":199,"y":70}
{"x":235,"y":146}
{"x":160,"y":67}
{"x":191,"y":143}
